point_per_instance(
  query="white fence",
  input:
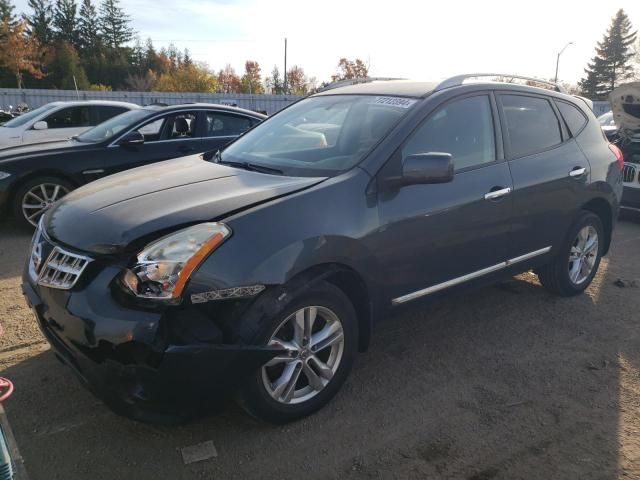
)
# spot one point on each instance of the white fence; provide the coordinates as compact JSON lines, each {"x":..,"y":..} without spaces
{"x":36,"y":97}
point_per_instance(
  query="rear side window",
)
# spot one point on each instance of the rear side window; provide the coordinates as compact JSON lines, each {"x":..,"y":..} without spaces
{"x":531,"y":123}
{"x":574,"y":118}
{"x":104,"y":113}
{"x":463,"y":128}
{"x":220,"y":124}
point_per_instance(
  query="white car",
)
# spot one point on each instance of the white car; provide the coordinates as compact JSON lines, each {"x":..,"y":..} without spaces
{"x":59,"y":121}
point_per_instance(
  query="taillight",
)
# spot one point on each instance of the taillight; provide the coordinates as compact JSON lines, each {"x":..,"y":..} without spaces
{"x":619,"y":155}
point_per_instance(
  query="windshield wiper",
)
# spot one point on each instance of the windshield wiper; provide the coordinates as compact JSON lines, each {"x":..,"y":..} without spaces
{"x":253,"y":167}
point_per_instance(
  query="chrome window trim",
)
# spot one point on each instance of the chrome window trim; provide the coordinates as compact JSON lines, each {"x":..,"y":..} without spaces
{"x":470,"y":276}
{"x":161,"y":114}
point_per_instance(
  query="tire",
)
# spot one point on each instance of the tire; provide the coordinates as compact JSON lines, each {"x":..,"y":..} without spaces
{"x":560,"y":276}
{"x":333,"y":310}
{"x":47,"y":189}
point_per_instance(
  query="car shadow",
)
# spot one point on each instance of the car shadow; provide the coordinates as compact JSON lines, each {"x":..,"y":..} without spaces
{"x":505,"y":382}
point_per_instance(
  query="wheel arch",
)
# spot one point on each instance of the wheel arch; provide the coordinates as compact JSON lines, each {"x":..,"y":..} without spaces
{"x":35,"y":174}
{"x":603,"y":209}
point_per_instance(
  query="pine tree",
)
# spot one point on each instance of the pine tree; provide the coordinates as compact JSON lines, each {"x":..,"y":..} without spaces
{"x":115,"y":24}
{"x":40,"y":20}
{"x":65,"y":21}
{"x":612,"y":63}
{"x":88,"y":28}
{"x":6,"y":12}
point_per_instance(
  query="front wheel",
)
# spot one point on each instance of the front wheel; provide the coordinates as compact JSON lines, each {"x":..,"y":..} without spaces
{"x":577,"y":262}
{"x":318,"y":334}
{"x":33,"y":198}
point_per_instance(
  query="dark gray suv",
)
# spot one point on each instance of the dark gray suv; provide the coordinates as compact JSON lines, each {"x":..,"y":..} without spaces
{"x":263,"y":270}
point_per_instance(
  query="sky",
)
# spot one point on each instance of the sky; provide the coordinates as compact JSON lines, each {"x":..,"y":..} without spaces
{"x":408,"y":39}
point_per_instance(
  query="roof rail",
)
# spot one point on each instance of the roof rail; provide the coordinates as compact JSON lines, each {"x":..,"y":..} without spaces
{"x":459,"y":80}
{"x":355,"y":81}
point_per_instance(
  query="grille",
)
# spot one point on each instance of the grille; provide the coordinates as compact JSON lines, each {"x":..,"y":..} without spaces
{"x":629,"y":173}
{"x":62,"y":269}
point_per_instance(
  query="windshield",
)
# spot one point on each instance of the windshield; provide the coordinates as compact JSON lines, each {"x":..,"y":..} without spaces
{"x":26,"y":117}
{"x":606,"y":120}
{"x":319,"y":136}
{"x":111,"y":127}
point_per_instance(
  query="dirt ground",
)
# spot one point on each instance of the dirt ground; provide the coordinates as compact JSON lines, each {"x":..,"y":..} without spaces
{"x":507,"y":382}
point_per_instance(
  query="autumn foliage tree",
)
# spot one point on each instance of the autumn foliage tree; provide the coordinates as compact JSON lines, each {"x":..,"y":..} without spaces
{"x":19,"y":53}
{"x":350,"y":69}
{"x":251,"y":81}
{"x":228,"y":80}
{"x":189,"y":77}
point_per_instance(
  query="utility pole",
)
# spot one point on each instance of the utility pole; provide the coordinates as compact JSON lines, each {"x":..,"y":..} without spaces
{"x":555,"y":79}
{"x":285,"y":66}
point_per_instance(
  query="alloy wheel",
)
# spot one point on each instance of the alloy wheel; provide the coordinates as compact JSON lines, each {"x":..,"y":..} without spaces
{"x":313,"y":340}
{"x":583,"y":254}
{"x":39,"y":199}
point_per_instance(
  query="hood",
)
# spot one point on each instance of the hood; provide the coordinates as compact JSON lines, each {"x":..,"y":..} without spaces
{"x":105,"y":216}
{"x":625,"y":105}
{"x":33,"y":149}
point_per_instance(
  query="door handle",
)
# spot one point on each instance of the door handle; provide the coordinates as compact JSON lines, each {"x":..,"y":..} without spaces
{"x":497,"y":193}
{"x":577,"y":172}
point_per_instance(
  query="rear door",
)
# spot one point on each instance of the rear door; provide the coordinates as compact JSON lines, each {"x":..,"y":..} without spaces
{"x":102,"y":113}
{"x":549,"y":172}
{"x":61,"y":124}
{"x":439,"y":235}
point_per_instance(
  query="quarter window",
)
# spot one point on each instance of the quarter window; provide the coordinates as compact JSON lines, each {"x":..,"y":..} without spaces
{"x":532,"y":124}
{"x":463,"y":128}
{"x":574,"y":117}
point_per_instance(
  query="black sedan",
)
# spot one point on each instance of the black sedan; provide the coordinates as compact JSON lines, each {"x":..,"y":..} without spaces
{"x":33,"y":177}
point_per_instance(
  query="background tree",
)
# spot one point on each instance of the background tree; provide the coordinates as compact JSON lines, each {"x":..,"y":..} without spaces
{"x":275,"y":82}
{"x":19,"y":53}
{"x":65,"y":21}
{"x":7,"y":13}
{"x":114,"y":24}
{"x":612,"y":63}
{"x":228,"y":81}
{"x":89,"y":28}
{"x":350,"y":69}
{"x":188,"y":78}
{"x":63,"y":65}
{"x":297,"y":81}
{"x":40,"y":20}
{"x":252,"y":80}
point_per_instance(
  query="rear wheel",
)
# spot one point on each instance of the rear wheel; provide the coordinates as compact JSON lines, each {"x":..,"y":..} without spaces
{"x":35,"y":197}
{"x":318,"y":333}
{"x":573,"y":269}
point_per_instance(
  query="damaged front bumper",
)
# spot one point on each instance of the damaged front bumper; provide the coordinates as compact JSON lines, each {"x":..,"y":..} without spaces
{"x":121,"y":355}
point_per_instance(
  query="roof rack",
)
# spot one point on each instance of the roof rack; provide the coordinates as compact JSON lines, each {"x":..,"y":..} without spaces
{"x":459,"y":80}
{"x":355,"y":81}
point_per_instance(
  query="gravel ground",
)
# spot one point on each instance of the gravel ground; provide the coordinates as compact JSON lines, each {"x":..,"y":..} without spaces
{"x":507,"y":382}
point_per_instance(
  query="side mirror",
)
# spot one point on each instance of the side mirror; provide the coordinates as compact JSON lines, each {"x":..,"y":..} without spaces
{"x":421,"y":168}
{"x":41,"y":125}
{"x":132,"y":138}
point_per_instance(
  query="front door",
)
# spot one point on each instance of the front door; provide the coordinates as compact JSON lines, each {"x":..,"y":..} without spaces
{"x":438,"y":235}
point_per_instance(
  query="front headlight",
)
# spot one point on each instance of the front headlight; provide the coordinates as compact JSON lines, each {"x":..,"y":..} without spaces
{"x":164,"y":266}
{"x":4,"y":175}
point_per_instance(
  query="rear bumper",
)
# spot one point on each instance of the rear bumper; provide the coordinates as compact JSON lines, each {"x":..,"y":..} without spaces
{"x":631,"y":197}
{"x":166,"y":386}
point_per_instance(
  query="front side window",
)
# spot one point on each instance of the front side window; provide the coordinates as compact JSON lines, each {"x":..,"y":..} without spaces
{"x":219,"y":124}
{"x":531,"y":123}
{"x":174,"y":126}
{"x":72,"y":117}
{"x":321,"y":135}
{"x":463,"y":128}
{"x":113,"y":126}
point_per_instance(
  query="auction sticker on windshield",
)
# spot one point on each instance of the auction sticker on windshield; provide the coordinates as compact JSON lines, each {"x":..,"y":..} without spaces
{"x":393,"y":101}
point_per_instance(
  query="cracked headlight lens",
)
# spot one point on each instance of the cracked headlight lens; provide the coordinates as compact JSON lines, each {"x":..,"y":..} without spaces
{"x":164,"y":266}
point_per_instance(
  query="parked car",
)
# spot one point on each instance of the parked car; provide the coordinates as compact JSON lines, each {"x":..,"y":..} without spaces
{"x":33,"y":177}
{"x":58,"y":121}
{"x":264,"y":271}
{"x":608,"y":126}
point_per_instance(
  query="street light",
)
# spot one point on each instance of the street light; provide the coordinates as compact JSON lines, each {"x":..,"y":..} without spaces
{"x":555,"y":80}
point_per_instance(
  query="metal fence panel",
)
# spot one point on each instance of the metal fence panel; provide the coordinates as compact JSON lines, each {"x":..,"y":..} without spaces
{"x":600,"y":108}
{"x":35,"y":98}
